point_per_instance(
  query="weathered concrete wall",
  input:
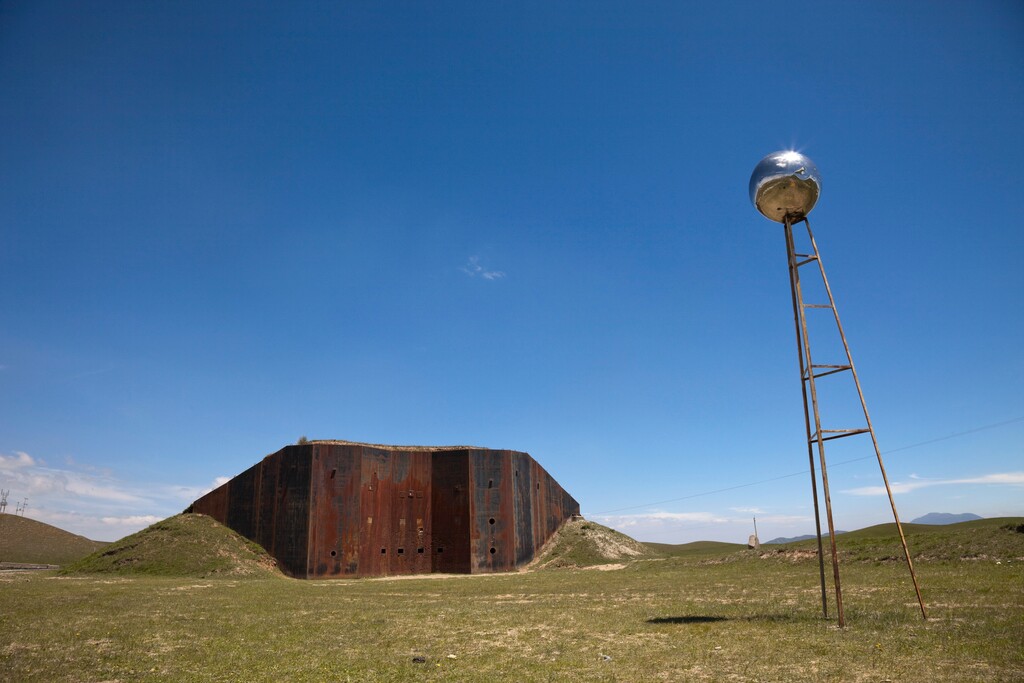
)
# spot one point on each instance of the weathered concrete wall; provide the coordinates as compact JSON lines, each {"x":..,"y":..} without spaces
{"x":330,"y":509}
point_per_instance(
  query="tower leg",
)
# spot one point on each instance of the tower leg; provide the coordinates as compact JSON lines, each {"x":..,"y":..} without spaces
{"x":870,"y":428}
{"x":794,"y":279}
{"x":807,"y":379}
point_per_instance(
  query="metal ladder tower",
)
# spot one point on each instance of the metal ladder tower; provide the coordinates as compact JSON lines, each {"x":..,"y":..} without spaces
{"x":810,"y":373}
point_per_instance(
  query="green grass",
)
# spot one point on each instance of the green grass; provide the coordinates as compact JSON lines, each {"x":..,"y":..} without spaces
{"x":737,"y":615}
{"x":186,"y":545}
{"x":980,"y":539}
{"x":26,"y":541}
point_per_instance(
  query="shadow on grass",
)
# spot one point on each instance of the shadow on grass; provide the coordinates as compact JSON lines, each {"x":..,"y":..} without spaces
{"x":686,"y":620}
{"x":701,"y":619}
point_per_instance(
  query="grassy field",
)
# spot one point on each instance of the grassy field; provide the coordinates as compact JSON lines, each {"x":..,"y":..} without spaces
{"x":701,"y":613}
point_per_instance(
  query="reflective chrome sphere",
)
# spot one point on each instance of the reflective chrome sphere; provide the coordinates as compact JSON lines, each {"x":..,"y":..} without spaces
{"x":785,"y":184}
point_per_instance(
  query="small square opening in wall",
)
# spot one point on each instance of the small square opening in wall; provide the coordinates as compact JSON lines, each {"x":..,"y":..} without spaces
{"x":490,"y":483}
{"x":401,"y":551}
{"x":334,"y":553}
{"x":440,"y":550}
{"x":419,"y":550}
{"x":493,"y":550}
{"x":383,"y":551}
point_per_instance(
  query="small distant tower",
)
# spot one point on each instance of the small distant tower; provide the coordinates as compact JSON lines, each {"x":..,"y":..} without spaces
{"x":784,"y":188}
{"x":3,"y":501}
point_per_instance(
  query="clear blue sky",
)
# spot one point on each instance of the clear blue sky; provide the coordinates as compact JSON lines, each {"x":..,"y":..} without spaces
{"x":515,"y":225}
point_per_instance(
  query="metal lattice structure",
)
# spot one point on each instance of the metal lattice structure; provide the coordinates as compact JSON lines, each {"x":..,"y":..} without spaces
{"x":817,"y":434}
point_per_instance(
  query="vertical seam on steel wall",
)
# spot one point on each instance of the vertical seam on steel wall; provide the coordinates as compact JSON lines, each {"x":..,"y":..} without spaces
{"x":309,"y":511}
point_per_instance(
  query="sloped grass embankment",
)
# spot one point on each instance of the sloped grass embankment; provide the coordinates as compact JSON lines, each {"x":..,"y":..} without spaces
{"x":27,"y":541}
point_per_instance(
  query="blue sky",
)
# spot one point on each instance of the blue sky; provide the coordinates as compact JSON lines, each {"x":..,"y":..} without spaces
{"x":515,"y":225}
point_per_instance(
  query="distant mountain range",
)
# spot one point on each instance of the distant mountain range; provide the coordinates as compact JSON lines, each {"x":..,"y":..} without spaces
{"x":794,"y":539}
{"x":930,"y":518}
{"x":945,"y":518}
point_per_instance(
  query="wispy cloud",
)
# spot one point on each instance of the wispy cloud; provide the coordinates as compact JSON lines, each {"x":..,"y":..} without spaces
{"x":661,"y":518}
{"x":999,"y":479}
{"x":679,"y":527}
{"x":18,"y":461}
{"x":474,"y":268}
{"x":134,"y":521}
{"x":90,"y":501}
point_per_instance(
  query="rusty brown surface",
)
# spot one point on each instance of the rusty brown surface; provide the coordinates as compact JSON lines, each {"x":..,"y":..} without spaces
{"x":394,"y":512}
{"x":336,"y":508}
{"x":214,"y":504}
{"x":287,"y":513}
{"x":492,"y":519}
{"x":450,"y":513}
{"x":334,"y":511}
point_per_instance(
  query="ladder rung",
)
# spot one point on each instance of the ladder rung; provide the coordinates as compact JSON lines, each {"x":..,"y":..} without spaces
{"x":805,"y":261}
{"x":835,"y":369}
{"x":817,"y":306}
{"x":838,"y":434}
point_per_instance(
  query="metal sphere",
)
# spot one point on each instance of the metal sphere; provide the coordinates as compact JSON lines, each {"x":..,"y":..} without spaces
{"x":785,"y":184}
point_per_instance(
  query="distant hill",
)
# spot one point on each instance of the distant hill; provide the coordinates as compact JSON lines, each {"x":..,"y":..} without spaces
{"x":980,"y":539}
{"x":27,"y":541}
{"x":183,"y":545}
{"x":695,"y":550}
{"x":794,"y":539}
{"x":946,"y":518}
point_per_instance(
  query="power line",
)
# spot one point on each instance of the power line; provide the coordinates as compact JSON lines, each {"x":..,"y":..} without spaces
{"x":803,"y":472}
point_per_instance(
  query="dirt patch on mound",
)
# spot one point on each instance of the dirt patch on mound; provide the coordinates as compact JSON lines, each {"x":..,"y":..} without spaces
{"x":581,"y":543}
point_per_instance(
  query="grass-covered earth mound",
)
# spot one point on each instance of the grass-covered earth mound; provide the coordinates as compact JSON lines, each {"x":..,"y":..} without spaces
{"x":581,"y":543}
{"x":26,"y":541}
{"x":189,"y":545}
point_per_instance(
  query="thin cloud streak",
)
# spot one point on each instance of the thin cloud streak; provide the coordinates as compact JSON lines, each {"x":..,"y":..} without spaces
{"x":677,"y":527}
{"x":998,"y":479}
{"x":474,"y":269}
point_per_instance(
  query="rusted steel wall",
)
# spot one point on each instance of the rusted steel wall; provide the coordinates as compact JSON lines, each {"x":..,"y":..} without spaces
{"x":538,"y":503}
{"x":522,"y":508}
{"x":492,"y":517}
{"x":449,"y":508}
{"x":334,"y":511}
{"x":269,"y":504}
{"x":291,"y":513}
{"x":267,"y":498}
{"x":243,"y":502}
{"x":394,"y":512}
{"x":337,"y":509}
{"x":214,"y":503}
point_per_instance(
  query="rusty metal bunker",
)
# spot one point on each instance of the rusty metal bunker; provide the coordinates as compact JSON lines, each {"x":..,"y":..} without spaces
{"x":341,"y":509}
